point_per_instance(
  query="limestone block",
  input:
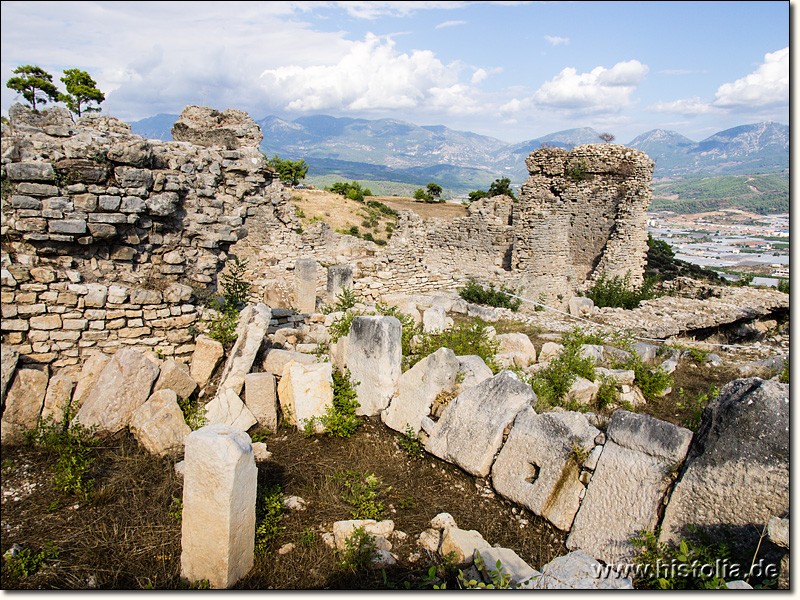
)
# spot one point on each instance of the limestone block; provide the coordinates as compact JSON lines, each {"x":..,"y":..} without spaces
{"x":8,"y":363}
{"x":250,"y":332}
{"x":159,"y":425}
{"x":549,"y":351}
{"x":737,"y":475}
{"x":122,"y":387}
{"x":275,"y":360}
{"x":261,"y":397}
{"x":205,"y":126}
{"x":628,"y":486}
{"x":89,"y":374}
{"x":536,"y":467}
{"x":646,"y":352}
{"x":25,"y":397}
{"x":430,"y":540}
{"x":470,"y":431}
{"x":342,"y":530}
{"x":418,"y":387}
{"x":510,"y":360}
{"x":583,"y":391}
{"x":622,"y":376}
{"x":433,"y":319}
{"x":669,"y":365}
{"x":374,"y":355}
{"x":517,"y":342}
{"x":11,"y":434}
{"x":207,"y":355}
{"x":579,"y":571}
{"x":219,"y":499}
{"x":338,"y":353}
{"x":305,"y":392}
{"x":594,"y":351}
{"x":518,"y":572}
{"x":463,"y":543}
{"x":175,"y":376}
{"x":58,"y":396}
{"x":443,"y":521}
{"x":228,"y":409}
{"x":339,"y":277}
{"x":305,"y":282}
{"x":778,"y":531}
{"x":580,"y":305}
{"x":474,"y":371}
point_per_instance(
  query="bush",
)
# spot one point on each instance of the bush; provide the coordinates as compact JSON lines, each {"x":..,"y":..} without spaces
{"x":410,"y":442}
{"x":194,"y":415}
{"x":783,"y":285}
{"x":553,"y":382}
{"x":618,"y":292}
{"x":340,"y":419}
{"x":477,"y":294}
{"x":363,"y":493}
{"x":345,"y":300}
{"x":359,"y":550}
{"x":269,"y":516}
{"x":463,"y":339}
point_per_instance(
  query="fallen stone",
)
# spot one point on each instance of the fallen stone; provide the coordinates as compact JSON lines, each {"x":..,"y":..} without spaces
{"x":433,"y":319}
{"x":430,"y":540}
{"x":207,"y":355}
{"x":122,"y":387}
{"x":737,"y":474}
{"x":176,"y":376}
{"x":506,"y":565}
{"x":58,"y":396}
{"x":380,"y":530}
{"x":305,"y":393}
{"x":8,"y":363}
{"x":374,"y":355}
{"x":623,"y":498}
{"x":228,"y":409}
{"x":778,"y":531}
{"x":463,"y":543}
{"x":261,"y":397}
{"x":25,"y":397}
{"x":260,"y":452}
{"x":539,"y":467}
{"x":550,"y":350}
{"x":219,"y":498}
{"x":295,"y":503}
{"x":250,"y":332}
{"x":159,"y":424}
{"x":88,"y":377}
{"x":276,"y":360}
{"x":583,"y":391}
{"x":580,"y":306}
{"x":472,"y":371}
{"x":517,"y":342}
{"x":443,"y":521}
{"x":579,"y":571}
{"x":418,"y":387}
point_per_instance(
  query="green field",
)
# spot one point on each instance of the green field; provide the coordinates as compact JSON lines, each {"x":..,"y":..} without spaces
{"x":761,"y":194}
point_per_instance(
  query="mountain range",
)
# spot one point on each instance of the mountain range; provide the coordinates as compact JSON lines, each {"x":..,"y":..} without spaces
{"x":461,"y":161}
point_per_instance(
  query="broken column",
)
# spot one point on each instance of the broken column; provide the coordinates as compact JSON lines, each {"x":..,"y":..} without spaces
{"x":374,"y":356}
{"x":219,"y":506}
{"x":339,"y":277}
{"x":305,"y":285}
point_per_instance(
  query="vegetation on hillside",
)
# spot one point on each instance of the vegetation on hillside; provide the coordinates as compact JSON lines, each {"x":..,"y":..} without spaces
{"x":761,"y":194}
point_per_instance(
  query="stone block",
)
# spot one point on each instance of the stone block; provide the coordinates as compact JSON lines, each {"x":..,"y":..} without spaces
{"x":8,"y":364}
{"x":737,"y":473}
{"x":517,"y":571}
{"x":122,"y":387}
{"x":433,"y":319}
{"x":418,"y":387}
{"x":228,"y":409}
{"x":583,"y":391}
{"x":25,"y":397}
{"x":275,"y":360}
{"x":474,"y":369}
{"x":579,"y":571}
{"x":219,"y":499}
{"x":175,"y":376}
{"x":261,"y":397}
{"x":537,"y":467}
{"x":159,"y":424}
{"x":470,"y":431}
{"x":305,"y":393}
{"x":380,"y":530}
{"x":517,"y":342}
{"x":58,"y":396}
{"x":250,"y":332}
{"x":374,"y":355}
{"x":90,"y":372}
{"x":628,"y":487}
{"x":305,"y":282}
{"x":339,"y":277}
{"x":580,"y":306}
{"x":463,"y":543}
{"x":206,"y":357}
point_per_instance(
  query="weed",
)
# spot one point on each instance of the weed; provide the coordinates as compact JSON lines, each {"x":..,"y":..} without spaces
{"x":577,"y":453}
{"x":73,"y":444}
{"x":467,"y":337}
{"x":193,"y":414}
{"x":542,"y":298}
{"x":665,"y":563}
{"x":363,"y":494}
{"x":578,"y":171}
{"x":359,"y":551}
{"x":237,"y":291}
{"x":6,"y":189}
{"x":608,"y":394}
{"x":697,"y":355}
{"x":25,"y":564}
{"x":474,"y":292}
{"x":696,"y":407}
{"x":340,"y":419}
{"x":784,"y":377}
{"x":345,"y":300}
{"x":269,"y":514}
{"x":411,"y":443}
{"x":307,"y":538}
{"x":783,"y":285}
{"x":553,"y":382}
{"x":222,"y":325}
{"x":618,"y":292}
{"x":176,"y":508}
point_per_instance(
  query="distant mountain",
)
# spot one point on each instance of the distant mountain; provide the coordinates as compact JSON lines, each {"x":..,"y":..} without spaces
{"x":461,"y":161}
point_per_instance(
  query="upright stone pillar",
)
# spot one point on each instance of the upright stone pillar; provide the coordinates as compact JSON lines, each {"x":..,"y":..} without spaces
{"x":339,"y":278}
{"x":219,"y":506}
{"x":305,"y":285}
{"x":374,"y":356}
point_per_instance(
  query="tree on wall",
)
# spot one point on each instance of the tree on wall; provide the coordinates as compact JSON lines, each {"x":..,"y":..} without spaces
{"x":501,"y":187}
{"x":607,"y":137}
{"x":35,"y":84}
{"x":81,"y":90}
{"x":291,"y":172}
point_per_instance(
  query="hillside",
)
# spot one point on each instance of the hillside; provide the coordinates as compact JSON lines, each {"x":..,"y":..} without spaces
{"x":762,"y":194}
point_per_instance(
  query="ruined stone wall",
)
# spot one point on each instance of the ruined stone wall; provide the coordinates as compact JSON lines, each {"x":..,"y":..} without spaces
{"x":110,"y":239}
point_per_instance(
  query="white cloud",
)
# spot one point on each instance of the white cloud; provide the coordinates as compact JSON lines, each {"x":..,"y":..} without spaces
{"x":605,"y":90}
{"x":767,"y":85}
{"x":479,"y":76}
{"x":372,"y":9}
{"x":450,"y":24}
{"x":555,"y":40}
{"x":687,"y":106}
{"x":372,"y":76}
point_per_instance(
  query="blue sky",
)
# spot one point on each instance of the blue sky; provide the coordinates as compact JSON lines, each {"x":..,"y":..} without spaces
{"x":512,"y":70}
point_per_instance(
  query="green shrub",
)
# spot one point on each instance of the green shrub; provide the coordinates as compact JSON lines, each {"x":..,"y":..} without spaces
{"x":552,"y":383}
{"x":463,"y":339}
{"x":359,"y":551}
{"x":222,"y":325}
{"x":608,"y":394}
{"x":193,"y":414}
{"x":695,"y":406}
{"x":25,"y":564}
{"x":477,"y":294}
{"x":269,"y":517}
{"x":410,"y":442}
{"x":783,"y":285}
{"x":237,"y":291}
{"x":784,"y":378}
{"x":618,"y":292}
{"x":73,"y":444}
{"x":340,"y":419}
{"x":661,"y":565}
{"x":363,"y":493}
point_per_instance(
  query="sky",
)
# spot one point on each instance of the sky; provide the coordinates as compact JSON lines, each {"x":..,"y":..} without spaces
{"x":515,"y":71}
